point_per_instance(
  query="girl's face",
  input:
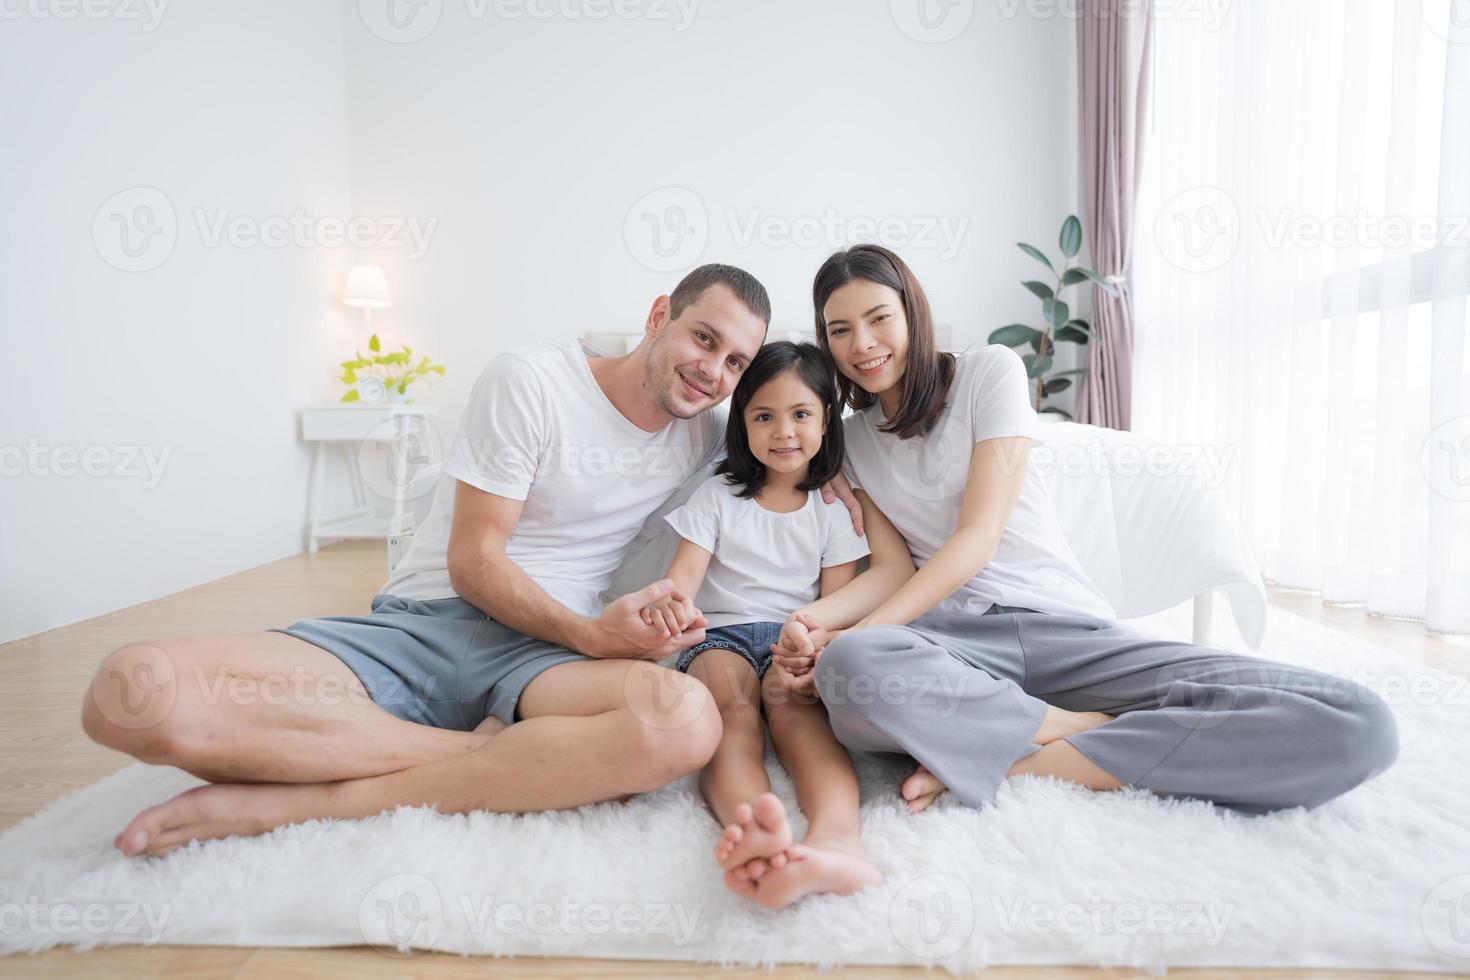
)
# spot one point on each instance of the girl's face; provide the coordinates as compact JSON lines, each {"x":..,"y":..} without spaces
{"x":784,"y":423}
{"x":867,"y":334}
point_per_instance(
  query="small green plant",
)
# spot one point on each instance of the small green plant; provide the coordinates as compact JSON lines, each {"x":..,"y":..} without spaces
{"x":394,"y":372}
{"x":1058,"y":324}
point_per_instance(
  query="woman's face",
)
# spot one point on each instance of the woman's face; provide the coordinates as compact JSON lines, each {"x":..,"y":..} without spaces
{"x":867,"y":334}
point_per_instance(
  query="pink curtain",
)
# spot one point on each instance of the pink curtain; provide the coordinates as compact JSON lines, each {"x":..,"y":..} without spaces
{"x":1113,"y":39}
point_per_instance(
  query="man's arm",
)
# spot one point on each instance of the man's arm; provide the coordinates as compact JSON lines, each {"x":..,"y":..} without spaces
{"x":482,"y":574}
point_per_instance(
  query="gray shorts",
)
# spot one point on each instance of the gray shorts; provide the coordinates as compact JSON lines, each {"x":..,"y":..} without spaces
{"x":439,"y":662}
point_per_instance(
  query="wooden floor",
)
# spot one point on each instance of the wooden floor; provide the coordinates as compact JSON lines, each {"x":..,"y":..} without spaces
{"x":44,"y":754}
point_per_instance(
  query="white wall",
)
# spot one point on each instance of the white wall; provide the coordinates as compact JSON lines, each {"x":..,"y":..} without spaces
{"x":524,"y":142}
{"x":529,"y":140}
{"x":203,"y":358}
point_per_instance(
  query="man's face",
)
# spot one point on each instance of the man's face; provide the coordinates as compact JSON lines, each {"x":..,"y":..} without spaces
{"x":696,"y":359}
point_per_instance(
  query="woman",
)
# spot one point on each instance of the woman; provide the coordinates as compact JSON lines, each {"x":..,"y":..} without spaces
{"x":999,"y":656}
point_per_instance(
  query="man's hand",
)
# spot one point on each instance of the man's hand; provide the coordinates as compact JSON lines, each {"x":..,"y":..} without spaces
{"x":838,"y":488}
{"x":621,"y":632}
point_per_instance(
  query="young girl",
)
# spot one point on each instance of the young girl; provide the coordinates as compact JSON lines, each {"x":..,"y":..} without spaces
{"x":758,"y":545}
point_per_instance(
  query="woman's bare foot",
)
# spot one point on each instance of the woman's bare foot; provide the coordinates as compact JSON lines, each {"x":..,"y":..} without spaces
{"x":213,"y":811}
{"x":921,"y":789}
{"x":758,"y":833}
{"x":830,"y":866}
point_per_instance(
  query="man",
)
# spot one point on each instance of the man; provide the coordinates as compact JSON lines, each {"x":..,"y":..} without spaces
{"x":491,"y":620}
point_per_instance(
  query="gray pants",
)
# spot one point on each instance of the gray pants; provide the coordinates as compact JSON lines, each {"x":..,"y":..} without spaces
{"x":964,"y":694}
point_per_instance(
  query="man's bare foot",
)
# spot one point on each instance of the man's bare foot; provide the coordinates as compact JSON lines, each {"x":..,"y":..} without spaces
{"x":759,"y":832}
{"x":921,"y":789}
{"x":830,"y":866}
{"x":212,"y":811}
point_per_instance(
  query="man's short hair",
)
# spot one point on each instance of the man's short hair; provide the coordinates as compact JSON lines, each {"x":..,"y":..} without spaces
{"x":745,"y":286}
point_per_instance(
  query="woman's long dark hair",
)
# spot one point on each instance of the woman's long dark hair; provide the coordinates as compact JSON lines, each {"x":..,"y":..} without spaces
{"x":814,"y":369}
{"x":928,"y":372}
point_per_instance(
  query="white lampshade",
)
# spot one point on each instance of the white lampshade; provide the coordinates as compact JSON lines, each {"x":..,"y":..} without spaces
{"x":367,"y":287}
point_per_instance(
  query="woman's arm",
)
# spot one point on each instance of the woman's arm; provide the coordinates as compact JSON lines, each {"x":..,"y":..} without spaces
{"x":997,"y":473}
{"x":848,"y":600}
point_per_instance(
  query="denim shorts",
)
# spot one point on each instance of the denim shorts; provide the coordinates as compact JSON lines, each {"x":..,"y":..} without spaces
{"x":751,"y":640}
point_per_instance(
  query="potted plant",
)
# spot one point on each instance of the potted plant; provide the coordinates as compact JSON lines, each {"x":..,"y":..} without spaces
{"x":1058,"y":324}
{"x":384,"y":377}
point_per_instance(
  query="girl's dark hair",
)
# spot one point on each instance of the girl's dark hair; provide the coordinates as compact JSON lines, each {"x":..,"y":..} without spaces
{"x":814,"y":369}
{"x":928,"y":372}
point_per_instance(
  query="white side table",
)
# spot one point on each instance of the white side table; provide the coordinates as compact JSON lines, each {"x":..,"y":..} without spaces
{"x":383,"y":447}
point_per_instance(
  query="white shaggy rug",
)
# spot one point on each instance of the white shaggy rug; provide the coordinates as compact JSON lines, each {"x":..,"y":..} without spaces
{"x":1050,"y":875}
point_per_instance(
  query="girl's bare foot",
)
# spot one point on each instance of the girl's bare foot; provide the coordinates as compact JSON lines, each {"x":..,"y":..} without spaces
{"x":921,"y":789}
{"x":832,"y":866}
{"x":758,"y":833}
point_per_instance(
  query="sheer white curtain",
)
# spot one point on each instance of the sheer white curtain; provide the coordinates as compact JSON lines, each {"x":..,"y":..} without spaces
{"x":1301,"y":265}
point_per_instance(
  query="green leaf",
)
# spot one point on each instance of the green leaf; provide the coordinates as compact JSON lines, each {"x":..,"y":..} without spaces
{"x":1014,"y":334}
{"x":1036,"y":364}
{"x":1082,"y":325}
{"x":1056,"y":312}
{"x":437,"y":369}
{"x":1058,"y":374}
{"x":1072,"y":334}
{"x":1071,"y":237}
{"x":1054,"y":385}
{"x":1101,"y":283}
{"x":1041,"y":289}
{"x":403,"y":387}
{"x":1073,"y":276}
{"x":351,"y":395}
{"x":1038,"y":255}
{"x":1052,"y":408}
{"x":373,"y":344}
{"x":349,"y":377}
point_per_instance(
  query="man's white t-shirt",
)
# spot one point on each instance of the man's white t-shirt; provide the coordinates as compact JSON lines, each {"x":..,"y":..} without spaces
{"x":919,"y":484}
{"x":538,"y":428}
{"x":766,"y":565}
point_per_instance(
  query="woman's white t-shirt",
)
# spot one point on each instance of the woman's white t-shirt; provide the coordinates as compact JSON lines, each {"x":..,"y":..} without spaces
{"x":765,"y":565}
{"x":919,"y":484}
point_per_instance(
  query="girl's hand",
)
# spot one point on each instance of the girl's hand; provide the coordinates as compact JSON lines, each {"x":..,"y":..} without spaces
{"x":670,"y":614}
{"x":803,"y":684}
{"x":802,"y":641}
